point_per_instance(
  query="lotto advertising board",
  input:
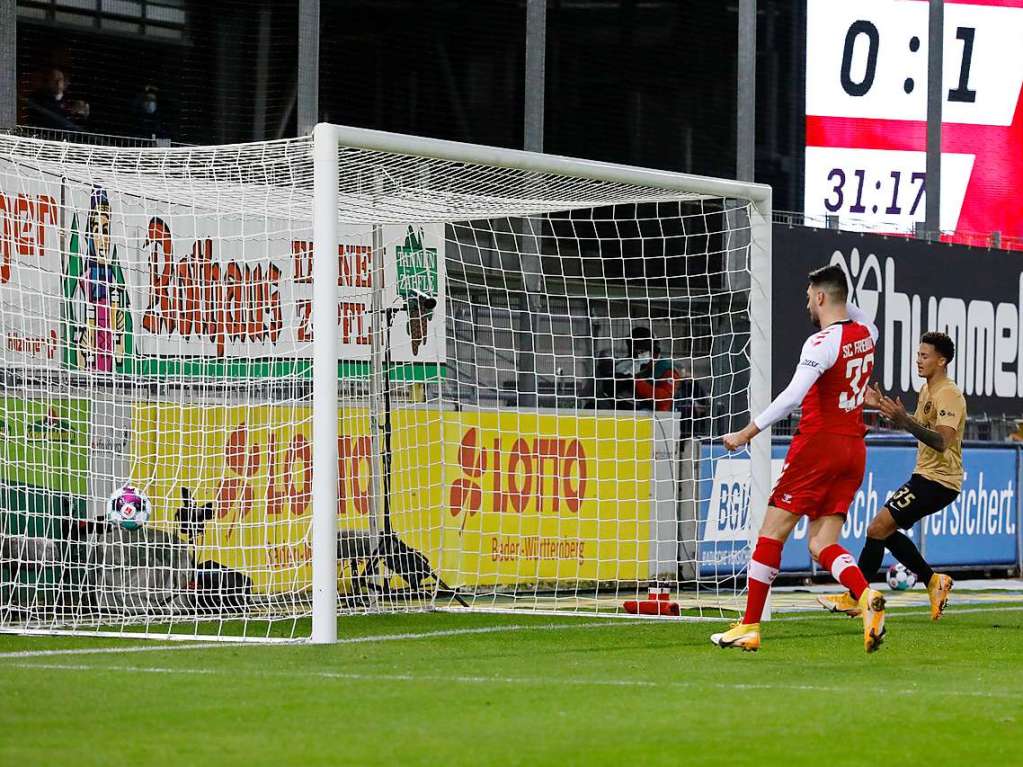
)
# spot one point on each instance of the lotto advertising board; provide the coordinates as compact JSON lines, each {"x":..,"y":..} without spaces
{"x":489,"y":497}
{"x":545,"y":497}
{"x":866,"y":115}
{"x":909,"y":287}
{"x":237,"y":483}
{"x":979,"y":529}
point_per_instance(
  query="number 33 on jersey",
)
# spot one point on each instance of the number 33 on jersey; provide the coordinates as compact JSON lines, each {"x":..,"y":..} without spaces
{"x":843,"y":355}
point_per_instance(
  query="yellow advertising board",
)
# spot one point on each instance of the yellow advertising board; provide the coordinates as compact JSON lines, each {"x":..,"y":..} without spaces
{"x":489,"y":497}
{"x":546,"y":498}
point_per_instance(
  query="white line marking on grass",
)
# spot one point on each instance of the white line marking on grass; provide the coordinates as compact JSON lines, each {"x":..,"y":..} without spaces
{"x":949,"y":613}
{"x":373,"y":638}
{"x":524,"y":681}
{"x":112,"y":650}
{"x":955,"y":610}
{"x":480,"y":630}
{"x":411,"y":636}
{"x":126,"y":669}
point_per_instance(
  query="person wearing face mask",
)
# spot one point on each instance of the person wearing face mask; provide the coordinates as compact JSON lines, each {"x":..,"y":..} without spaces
{"x":148,"y":114}
{"x":645,"y":380}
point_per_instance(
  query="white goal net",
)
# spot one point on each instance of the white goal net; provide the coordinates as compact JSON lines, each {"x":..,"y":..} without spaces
{"x":509,"y":401}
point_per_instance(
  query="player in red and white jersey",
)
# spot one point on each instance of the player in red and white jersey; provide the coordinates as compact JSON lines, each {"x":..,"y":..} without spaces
{"x":826,"y":459}
{"x":842,"y":355}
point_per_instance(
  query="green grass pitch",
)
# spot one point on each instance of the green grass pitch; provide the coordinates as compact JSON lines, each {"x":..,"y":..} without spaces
{"x":460,"y":689}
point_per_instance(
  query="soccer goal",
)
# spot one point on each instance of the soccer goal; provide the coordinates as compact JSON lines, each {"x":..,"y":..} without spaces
{"x":250,"y":388}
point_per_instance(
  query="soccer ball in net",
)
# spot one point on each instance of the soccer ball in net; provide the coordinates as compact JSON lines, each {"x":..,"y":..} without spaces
{"x":128,"y":508}
{"x":899,"y":578}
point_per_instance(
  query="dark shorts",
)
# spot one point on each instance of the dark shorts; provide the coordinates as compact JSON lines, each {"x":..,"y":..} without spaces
{"x":918,"y":498}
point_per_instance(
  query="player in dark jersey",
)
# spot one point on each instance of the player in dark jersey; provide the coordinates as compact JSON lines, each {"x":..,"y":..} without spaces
{"x":937,"y":479}
{"x":826,"y":459}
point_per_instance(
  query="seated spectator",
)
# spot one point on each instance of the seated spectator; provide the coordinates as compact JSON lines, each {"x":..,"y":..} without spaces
{"x":148,"y":117}
{"x":645,"y":381}
{"x":51,"y":107}
{"x":604,"y":381}
{"x":692,"y":402}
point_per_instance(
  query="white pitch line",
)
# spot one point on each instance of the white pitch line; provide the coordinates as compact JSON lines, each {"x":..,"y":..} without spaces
{"x":949,"y":613}
{"x":480,"y":630}
{"x":1006,"y":609}
{"x":374,"y":638}
{"x":125,"y":669}
{"x":412,"y":636}
{"x":113,"y":650}
{"x":524,"y":681}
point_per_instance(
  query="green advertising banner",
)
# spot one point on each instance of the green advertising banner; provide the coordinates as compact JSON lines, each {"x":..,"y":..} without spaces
{"x":44,"y":472}
{"x":45,"y":444}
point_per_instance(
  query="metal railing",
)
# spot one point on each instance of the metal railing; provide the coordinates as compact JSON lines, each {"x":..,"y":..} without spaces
{"x":989,"y":240}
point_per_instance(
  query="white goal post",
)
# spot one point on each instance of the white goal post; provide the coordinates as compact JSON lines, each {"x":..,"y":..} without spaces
{"x":363,"y":371}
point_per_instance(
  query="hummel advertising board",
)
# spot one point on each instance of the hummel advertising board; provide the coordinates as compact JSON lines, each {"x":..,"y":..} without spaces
{"x":909,"y":287}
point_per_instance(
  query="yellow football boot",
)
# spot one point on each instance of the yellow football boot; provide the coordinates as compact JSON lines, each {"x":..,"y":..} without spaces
{"x":871,"y":605}
{"x":938,"y":589}
{"x":744,"y":635}
{"x":840,"y":603}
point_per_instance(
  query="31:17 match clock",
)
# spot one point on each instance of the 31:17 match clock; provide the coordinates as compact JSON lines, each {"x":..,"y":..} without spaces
{"x":866,"y":115}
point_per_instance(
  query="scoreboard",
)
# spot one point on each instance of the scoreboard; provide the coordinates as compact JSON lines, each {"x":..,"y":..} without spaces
{"x":866,"y":115}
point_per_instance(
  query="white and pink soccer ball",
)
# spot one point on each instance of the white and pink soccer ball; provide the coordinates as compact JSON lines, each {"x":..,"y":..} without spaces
{"x":899,"y":578}
{"x":128,"y":508}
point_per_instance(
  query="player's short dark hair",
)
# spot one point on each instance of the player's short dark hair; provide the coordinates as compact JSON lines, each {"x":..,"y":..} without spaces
{"x":942,"y":344}
{"x":831,"y":279}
